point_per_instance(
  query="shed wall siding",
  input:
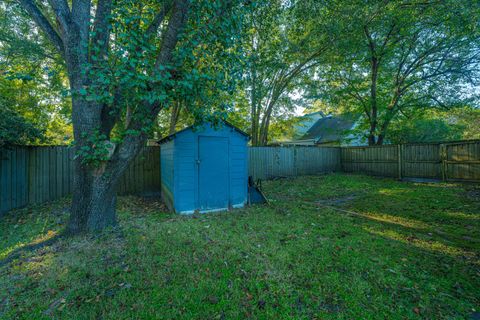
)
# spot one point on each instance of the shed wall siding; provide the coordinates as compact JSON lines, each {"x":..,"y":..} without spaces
{"x":238,"y":169}
{"x":185,"y":177}
{"x":167,"y":153}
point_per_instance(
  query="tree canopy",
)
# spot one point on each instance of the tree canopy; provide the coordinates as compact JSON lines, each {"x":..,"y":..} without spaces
{"x":400,"y":57}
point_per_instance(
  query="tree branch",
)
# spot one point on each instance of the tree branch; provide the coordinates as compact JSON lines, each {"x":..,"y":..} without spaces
{"x":43,"y":23}
{"x":101,"y":27}
{"x":62,"y":14}
{"x":159,"y":18}
{"x":174,"y":28}
{"x":371,"y":44}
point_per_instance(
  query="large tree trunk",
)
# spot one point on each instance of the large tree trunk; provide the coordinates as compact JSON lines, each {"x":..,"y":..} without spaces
{"x":94,"y":194}
{"x":254,"y":127}
{"x":94,"y":186}
{"x":391,"y":111}
{"x":263,"y":136}
{"x":94,"y":201}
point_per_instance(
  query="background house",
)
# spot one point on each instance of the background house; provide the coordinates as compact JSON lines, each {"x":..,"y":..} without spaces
{"x":320,"y":129}
{"x":332,"y":130}
{"x":305,"y":122}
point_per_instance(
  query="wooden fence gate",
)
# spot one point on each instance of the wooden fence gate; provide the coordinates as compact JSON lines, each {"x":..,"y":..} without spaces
{"x":461,"y":161}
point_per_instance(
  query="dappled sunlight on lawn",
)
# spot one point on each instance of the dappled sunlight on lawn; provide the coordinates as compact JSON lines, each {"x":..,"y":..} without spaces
{"x":42,"y":238}
{"x":429,"y":245}
{"x":32,"y":226}
{"x":398,"y":220}
{"x":462,"y":215}
{"x":392,"y":191}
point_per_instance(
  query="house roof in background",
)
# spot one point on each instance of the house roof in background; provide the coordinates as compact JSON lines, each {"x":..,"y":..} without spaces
{"x":313,"y":114}
{"x":329,"y":129}
{"x":306,"y":121}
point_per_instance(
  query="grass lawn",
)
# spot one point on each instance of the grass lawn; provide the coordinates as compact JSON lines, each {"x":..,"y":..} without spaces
{"x":394,"y":250}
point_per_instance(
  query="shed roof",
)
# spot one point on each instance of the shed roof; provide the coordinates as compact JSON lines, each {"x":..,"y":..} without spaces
{"x":192,"y":127}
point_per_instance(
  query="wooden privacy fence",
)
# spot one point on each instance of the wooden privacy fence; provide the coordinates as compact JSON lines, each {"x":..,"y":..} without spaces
{"x":450,"y":161}
{"x":31,"y":175}
{"x":270,"y":162}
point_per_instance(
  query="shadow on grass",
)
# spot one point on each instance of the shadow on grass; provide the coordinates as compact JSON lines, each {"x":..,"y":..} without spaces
{"x":19,"y":251}
{"x":31,"y":228}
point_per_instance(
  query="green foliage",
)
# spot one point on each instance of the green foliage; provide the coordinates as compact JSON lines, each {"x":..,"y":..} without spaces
{"x":15,"y":129}
{"x":401,"y":57}
{"x":399,"y":251}
{"x":254,"y":65}
{"x":460,"y":123}
{"x":32,"y":80}
{"x":424,"y":130}
{"x":96,"y":150}
{"x":469,"y":119}
{"x":201,"y":77}
{"x":281,"y":51}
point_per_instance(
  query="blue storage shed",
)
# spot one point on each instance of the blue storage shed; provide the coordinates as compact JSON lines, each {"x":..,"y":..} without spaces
{"x":204,"y":168}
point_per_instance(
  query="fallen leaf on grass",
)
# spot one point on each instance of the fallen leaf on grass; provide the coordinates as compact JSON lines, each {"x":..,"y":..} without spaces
{"x":213,"y":300}
{"x":261,"y":304}
{"x":57,"y":304}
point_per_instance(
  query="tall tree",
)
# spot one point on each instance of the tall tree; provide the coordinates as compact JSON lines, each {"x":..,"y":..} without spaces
{"x":280,"y":48}
{"x":403,"y":55}
{"x":124,"y":61}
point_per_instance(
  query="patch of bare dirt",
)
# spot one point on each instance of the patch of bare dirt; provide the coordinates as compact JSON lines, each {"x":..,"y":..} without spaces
{"x":142,"y":205}
{"x":338,"y":201}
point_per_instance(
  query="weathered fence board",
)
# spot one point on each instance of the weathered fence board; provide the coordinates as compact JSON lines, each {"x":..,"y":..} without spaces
{"x":377,"y":160}
{"x":421,"y":160}
{"x":143,"y":174}
{"x":462,"y":161}
{"x":270,"y":162}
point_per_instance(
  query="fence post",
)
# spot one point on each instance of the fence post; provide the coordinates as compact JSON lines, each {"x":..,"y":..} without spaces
{"x":400,"y":165}
{"x":443,"y":161}
{"x":294,"y":161}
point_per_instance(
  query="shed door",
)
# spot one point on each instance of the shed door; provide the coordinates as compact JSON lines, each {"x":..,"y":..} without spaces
{"x":213,"y":186}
